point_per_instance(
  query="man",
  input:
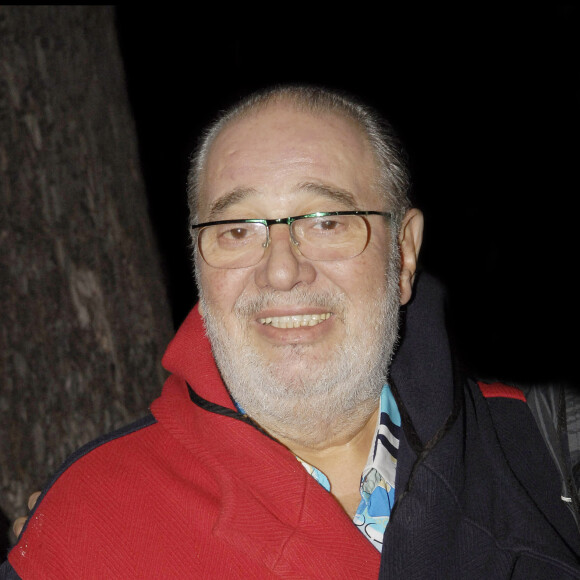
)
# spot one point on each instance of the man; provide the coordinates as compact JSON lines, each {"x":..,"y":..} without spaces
{"x":286,"y":445}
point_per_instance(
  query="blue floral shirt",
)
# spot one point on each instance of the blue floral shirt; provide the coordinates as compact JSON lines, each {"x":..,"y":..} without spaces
{"x":377,"y":485}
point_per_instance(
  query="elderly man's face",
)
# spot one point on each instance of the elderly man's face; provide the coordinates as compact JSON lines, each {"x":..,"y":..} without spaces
{"x":283,"y":163}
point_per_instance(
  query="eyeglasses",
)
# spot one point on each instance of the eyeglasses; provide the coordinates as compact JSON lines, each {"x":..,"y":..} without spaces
{"x":320,"y":236}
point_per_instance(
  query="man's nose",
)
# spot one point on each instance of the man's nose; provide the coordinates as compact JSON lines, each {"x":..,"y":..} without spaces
{"x":283,"y":267}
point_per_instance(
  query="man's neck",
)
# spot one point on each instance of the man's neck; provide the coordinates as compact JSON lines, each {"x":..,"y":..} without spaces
{"x":342,"y":459}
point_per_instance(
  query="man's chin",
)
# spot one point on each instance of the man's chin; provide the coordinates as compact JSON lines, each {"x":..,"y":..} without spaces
{"x":294,"y":359}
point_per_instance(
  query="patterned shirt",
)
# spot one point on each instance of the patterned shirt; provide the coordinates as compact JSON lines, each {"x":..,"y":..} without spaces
{"x":377,"y":486}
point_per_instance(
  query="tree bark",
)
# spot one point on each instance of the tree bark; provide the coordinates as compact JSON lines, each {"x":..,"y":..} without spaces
{"x":84,"y":315}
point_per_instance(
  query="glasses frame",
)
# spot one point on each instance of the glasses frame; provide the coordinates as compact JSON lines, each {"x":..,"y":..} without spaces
{"x":288,"y":221}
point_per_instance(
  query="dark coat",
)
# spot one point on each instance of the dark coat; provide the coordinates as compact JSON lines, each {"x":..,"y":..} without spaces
{"x":478,"y":494}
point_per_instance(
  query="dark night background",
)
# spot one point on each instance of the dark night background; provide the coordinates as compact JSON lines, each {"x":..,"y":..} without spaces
{"x":485,"y":100}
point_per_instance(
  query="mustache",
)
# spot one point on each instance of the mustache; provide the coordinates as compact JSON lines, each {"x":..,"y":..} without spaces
{"x":249,"y":306}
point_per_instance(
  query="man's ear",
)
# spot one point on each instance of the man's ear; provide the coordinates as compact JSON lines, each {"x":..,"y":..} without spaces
{"x":410,"y":238}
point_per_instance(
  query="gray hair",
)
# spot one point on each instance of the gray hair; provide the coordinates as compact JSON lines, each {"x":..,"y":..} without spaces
{"x":394,"y":180}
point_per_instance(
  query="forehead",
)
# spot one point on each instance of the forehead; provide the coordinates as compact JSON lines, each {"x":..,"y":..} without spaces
{"x":274,"y":151}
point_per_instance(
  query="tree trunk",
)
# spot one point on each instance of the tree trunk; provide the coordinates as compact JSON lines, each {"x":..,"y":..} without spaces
{"x":84,"y":315}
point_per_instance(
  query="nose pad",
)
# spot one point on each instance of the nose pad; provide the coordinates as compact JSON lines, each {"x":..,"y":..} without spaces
{"x":294,"y":242}
{"x":295,"y":247}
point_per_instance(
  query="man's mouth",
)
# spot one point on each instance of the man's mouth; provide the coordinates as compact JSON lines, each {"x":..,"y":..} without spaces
{"x":295,"y":320}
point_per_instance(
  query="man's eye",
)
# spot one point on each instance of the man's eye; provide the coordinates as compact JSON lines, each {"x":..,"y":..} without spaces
{"x":236,"y":233}
{"x":328,"y":225}
{"x":239,"y":234}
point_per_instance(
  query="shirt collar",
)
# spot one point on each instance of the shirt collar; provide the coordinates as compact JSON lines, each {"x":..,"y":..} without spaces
{"x":383,"y":453}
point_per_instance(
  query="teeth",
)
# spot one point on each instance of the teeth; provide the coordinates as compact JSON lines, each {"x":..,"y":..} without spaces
{"x":295,"y":321}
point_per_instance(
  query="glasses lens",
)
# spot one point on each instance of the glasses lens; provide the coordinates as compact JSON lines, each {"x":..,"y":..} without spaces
{"x":331,"y":237}
{"x":236,"y":245}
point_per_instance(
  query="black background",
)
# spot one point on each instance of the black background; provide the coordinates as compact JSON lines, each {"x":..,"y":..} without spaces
{"x":485,"y":100}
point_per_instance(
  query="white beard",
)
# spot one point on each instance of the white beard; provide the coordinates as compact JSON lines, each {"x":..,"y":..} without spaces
{"x":300,"y":397}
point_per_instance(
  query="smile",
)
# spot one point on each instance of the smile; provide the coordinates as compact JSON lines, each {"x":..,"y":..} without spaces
{"x":294,"y":321}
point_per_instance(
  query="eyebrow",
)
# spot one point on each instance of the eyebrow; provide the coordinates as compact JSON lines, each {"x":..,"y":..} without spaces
{"x":238,"y":194}
{"x":333,"y":193}
{"x":235,"y":196}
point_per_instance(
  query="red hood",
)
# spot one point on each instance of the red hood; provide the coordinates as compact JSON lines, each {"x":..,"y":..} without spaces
{"x":189,"y":356}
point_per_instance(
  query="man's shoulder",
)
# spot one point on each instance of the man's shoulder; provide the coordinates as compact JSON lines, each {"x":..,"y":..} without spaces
{"x":93,"y":465}
{"x":107,"y":446}
{"x":494,"y":390}
{"x":495,"y":398}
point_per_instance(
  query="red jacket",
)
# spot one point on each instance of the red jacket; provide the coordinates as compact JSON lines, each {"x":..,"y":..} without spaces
{"x":189,"y":493}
